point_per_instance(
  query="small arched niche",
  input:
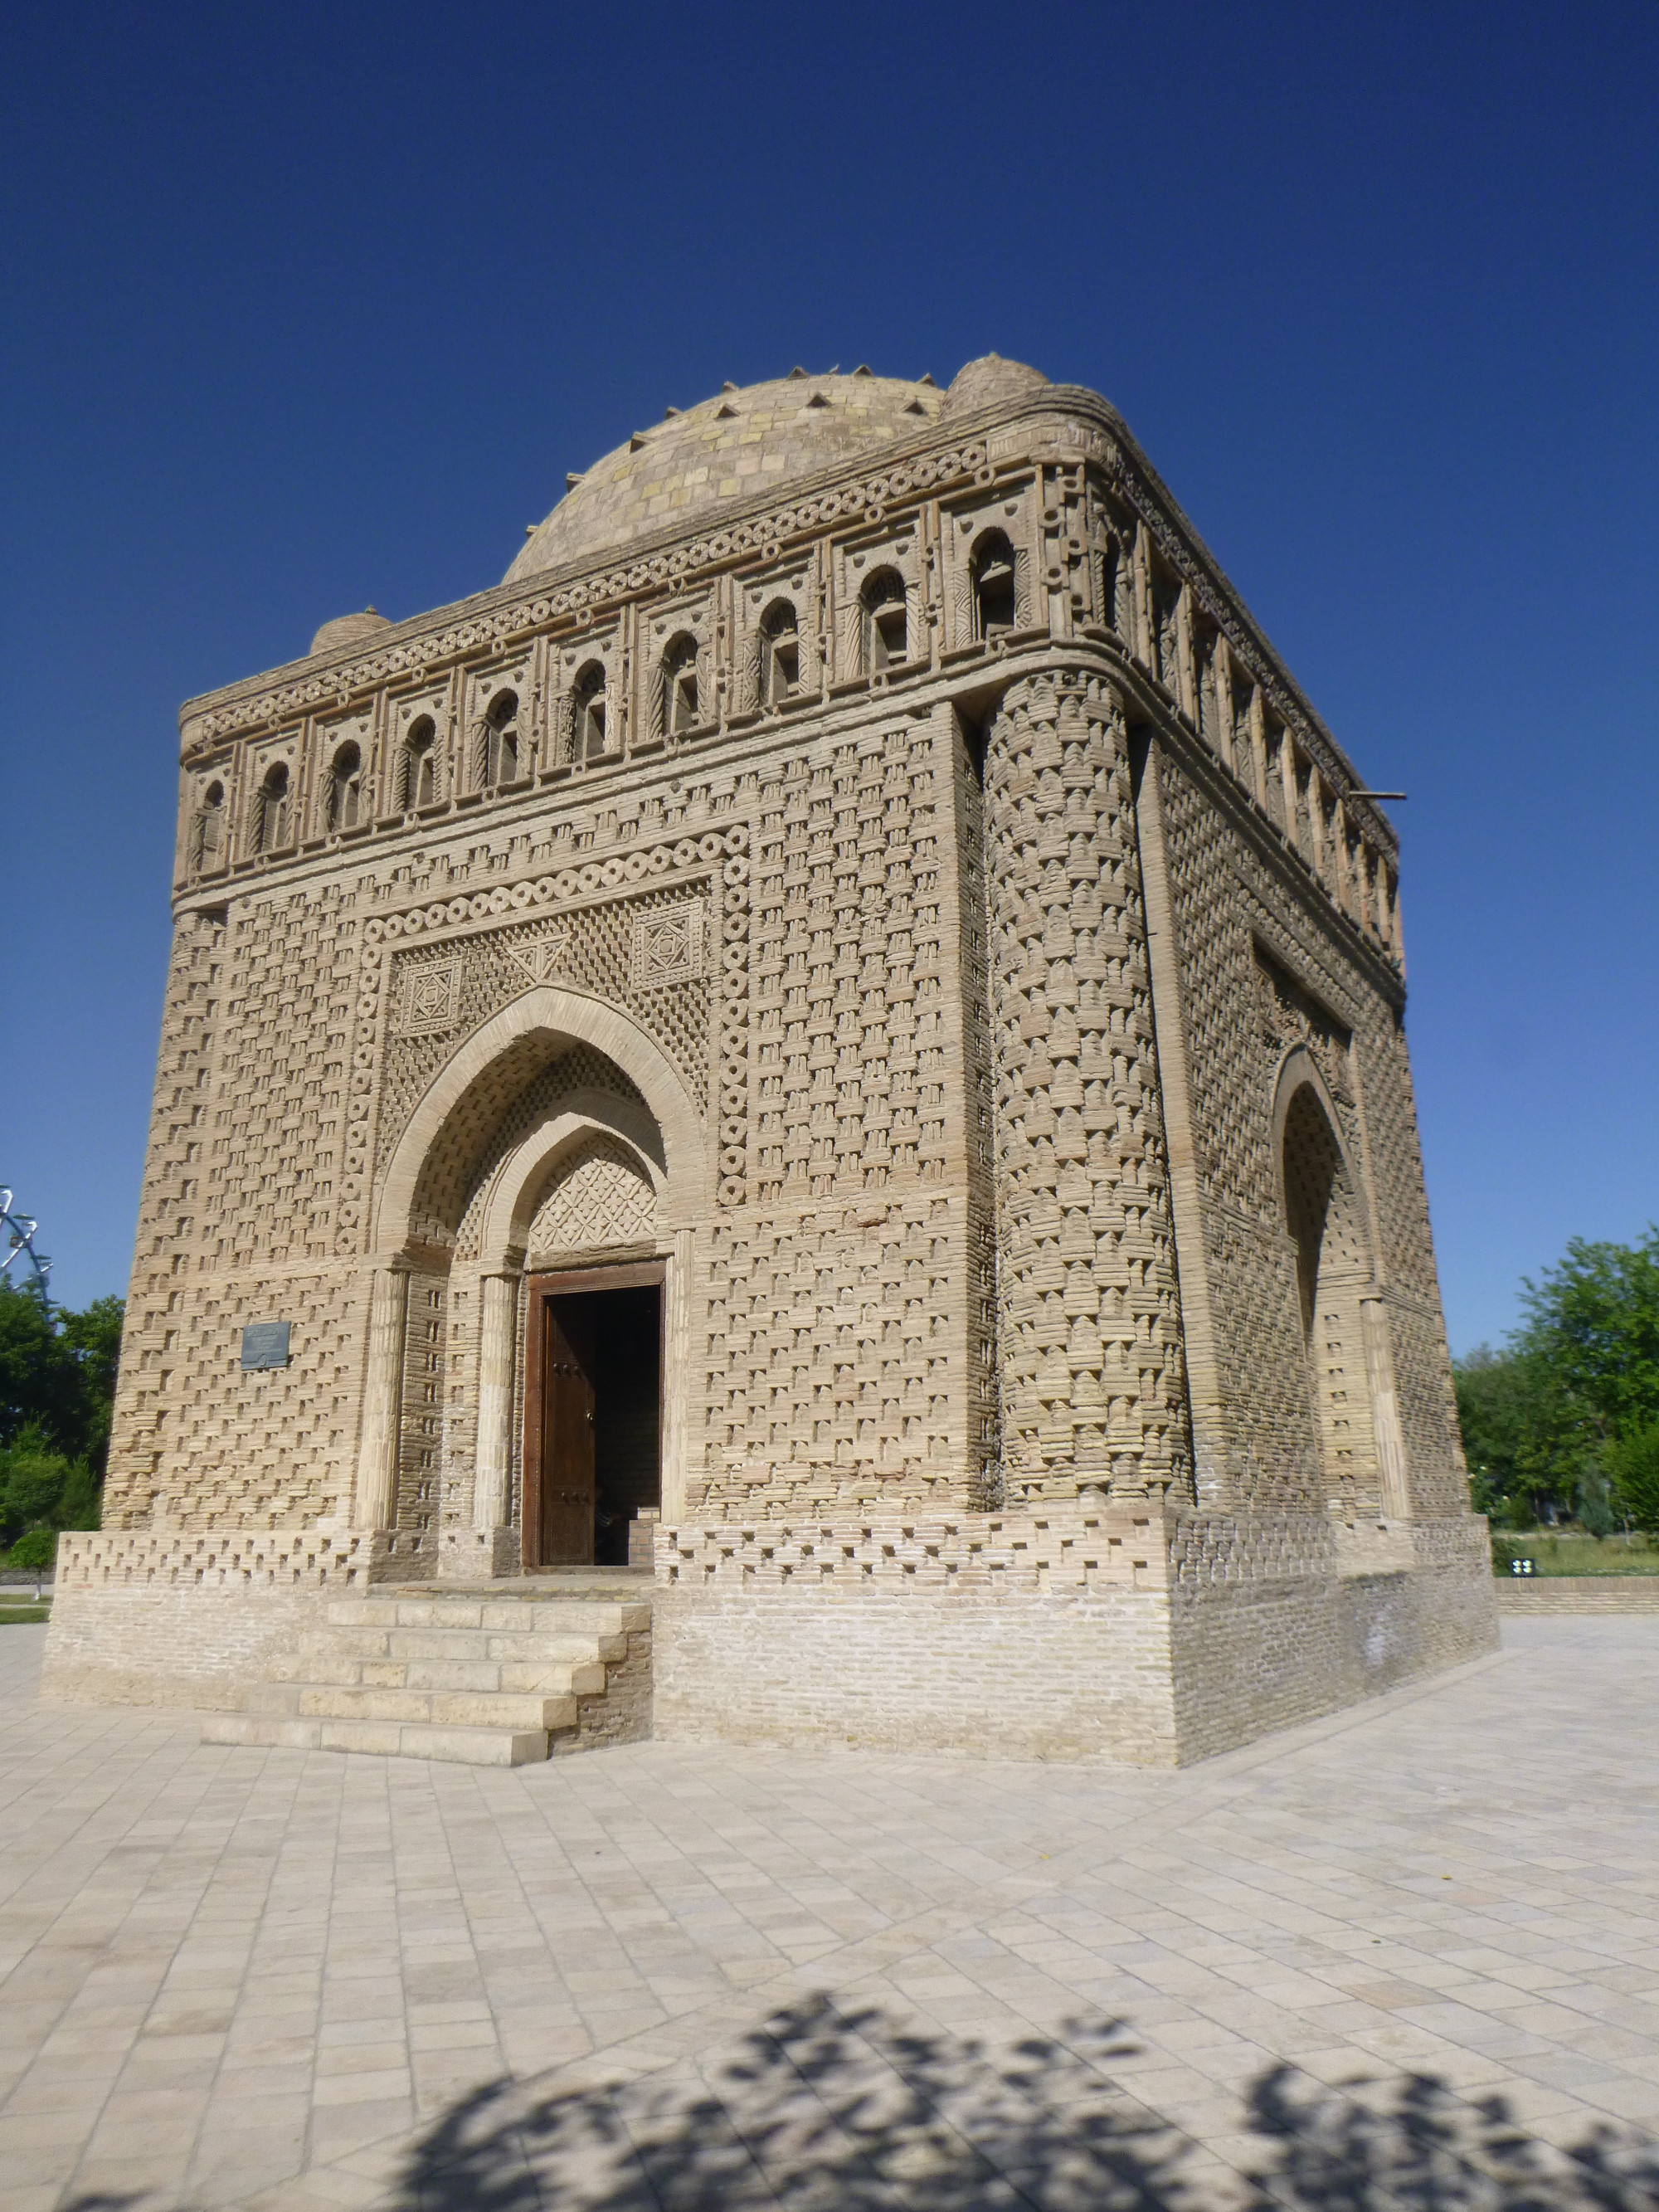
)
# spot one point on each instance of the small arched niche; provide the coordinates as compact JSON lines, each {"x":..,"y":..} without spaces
{"x":886,"y":621}
{"x":418,"y":766}
{"x":271,"y":804}
{"x":995,"y":597}
{"x":589,"y":737}
{"x":496,"y":743}
{"x":681,"y":706}
{"x":208,"y":836}
{"x":343,"y":801}
{"x":780,"y":654}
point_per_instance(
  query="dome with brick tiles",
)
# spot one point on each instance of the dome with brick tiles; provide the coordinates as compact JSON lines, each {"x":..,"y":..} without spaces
{"x":740,"y":445}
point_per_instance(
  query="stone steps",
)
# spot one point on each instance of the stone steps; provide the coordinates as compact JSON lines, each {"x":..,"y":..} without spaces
{"x":562,"y":1677}
{"x":466,"y":1747}
{"x":472,"y":1643}
{"x":488,"y":1681}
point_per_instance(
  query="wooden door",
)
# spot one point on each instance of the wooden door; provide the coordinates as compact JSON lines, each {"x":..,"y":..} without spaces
{"x":567,"y":1433}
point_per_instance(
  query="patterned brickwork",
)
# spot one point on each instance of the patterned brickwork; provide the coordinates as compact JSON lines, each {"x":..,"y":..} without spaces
{"x":1402,"y":1201}
{"x":175,"y":1190}
{"x":1067,"y":1547}
{"x":847,"y":1075}
{"x":421,"y":1453}
{"x":1093,"y":1392}
{"x":601,"y":1196}
{"x":828,"y":1378}
{"x":485,"y":1130}
{"x":232,"y":1560}
{"x":1428,"y":1409}
{"x":280,"y":1105}
{"x":267,"y":1449}
{"x":985,"y":1446}
{"x":439,"y":993}
{"x":1260,"y":978}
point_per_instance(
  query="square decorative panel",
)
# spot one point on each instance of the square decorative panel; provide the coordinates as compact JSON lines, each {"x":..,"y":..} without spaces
{"x":668,"y":946}
{"x":429,"y":998}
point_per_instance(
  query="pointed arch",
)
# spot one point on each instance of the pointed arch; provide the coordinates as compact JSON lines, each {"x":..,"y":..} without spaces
{"x":1323,"y":1213}
{"x":526,"y":1034}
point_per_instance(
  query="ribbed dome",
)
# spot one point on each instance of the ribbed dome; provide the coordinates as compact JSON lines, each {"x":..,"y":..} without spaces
{"x":742,"y":445}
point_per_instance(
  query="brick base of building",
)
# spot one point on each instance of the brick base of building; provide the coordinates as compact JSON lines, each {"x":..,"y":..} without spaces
{"x":1124,"y":1631}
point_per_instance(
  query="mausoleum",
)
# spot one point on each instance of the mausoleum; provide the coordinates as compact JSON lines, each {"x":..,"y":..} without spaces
{"x":795,"y":1123}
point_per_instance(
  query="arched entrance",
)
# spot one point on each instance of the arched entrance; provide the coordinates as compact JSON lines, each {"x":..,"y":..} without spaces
{"x":525,"y":1396}
{"x":1344,"y":1331}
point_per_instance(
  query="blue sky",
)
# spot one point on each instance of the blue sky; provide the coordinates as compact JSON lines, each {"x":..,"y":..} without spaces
{"x":303,"y":309}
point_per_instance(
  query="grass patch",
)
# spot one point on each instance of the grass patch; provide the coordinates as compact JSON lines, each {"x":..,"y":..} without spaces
{"x":1560,"y":1552}
{"x":8,"y":1613}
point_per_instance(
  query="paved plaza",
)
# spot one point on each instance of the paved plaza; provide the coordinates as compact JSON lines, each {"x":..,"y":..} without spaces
{"x":1407,"y":1954}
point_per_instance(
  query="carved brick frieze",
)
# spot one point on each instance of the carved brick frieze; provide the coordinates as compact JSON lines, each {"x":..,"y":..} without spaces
{"x":643,"y":953}
{"x":1291,"y":1014}
{"x":858,"y":500}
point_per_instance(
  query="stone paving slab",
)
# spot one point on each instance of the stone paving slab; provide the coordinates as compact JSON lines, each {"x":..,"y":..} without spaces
{"x":1410,"y":1953}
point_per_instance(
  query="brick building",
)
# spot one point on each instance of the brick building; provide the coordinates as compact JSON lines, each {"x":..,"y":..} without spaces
{"x":838,"y":1037}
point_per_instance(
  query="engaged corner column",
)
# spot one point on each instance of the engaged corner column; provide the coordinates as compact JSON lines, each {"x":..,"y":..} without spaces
{"x":383,"y":1391}
{"x":498,"y":1329}
{"x":1396,"y":1499}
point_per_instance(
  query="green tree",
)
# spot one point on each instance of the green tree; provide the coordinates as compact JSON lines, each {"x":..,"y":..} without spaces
{"x":1549,"y":1419}
{"x":58,"y":1371}
{"x":1521,"y":1436}
{"x":1594,"y":1321}
{"x":57,"y":1390}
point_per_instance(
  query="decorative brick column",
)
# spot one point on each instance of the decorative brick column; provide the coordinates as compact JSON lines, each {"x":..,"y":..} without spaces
{"x":383,"y":1391}
{"x":1094,"y":1398}
{"x":497,"y":1329}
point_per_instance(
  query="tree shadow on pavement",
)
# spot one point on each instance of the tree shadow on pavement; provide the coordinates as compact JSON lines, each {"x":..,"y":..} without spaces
{"x":827,"y":2109}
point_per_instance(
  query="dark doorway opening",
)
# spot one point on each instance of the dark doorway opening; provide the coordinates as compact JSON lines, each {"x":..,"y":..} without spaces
{"x":593,"y":1425}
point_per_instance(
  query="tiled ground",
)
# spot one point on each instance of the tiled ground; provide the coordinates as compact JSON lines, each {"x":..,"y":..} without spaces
{"x":1409,"y":1954}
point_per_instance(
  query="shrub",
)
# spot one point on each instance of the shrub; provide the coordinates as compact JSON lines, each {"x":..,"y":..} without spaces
{"x":35,"y":1553}
{"x":1633,"y":1463}
{"x":1598,"y":1510}
{"x":32,"y":1477}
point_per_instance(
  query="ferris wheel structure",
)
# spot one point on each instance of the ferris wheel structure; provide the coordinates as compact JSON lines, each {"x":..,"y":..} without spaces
{"x":17,"y":1234}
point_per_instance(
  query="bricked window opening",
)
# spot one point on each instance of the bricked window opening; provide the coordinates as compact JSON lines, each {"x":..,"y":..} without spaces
{"x":209,"y":850}
{"x":780,"y":654}
{"x":885,"y":621}
{"x":588,"y":717}
{"x":345,"y":788}
{"x":270,"y":810}
{"x":679,"y":684}
{"x":497,"y":760}
{"x":993,"y":586}
{"x":1114,"y":600}
{"x":1209,"y":711}
{"x":1166,"y":630}
{"x":417,"y":770}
